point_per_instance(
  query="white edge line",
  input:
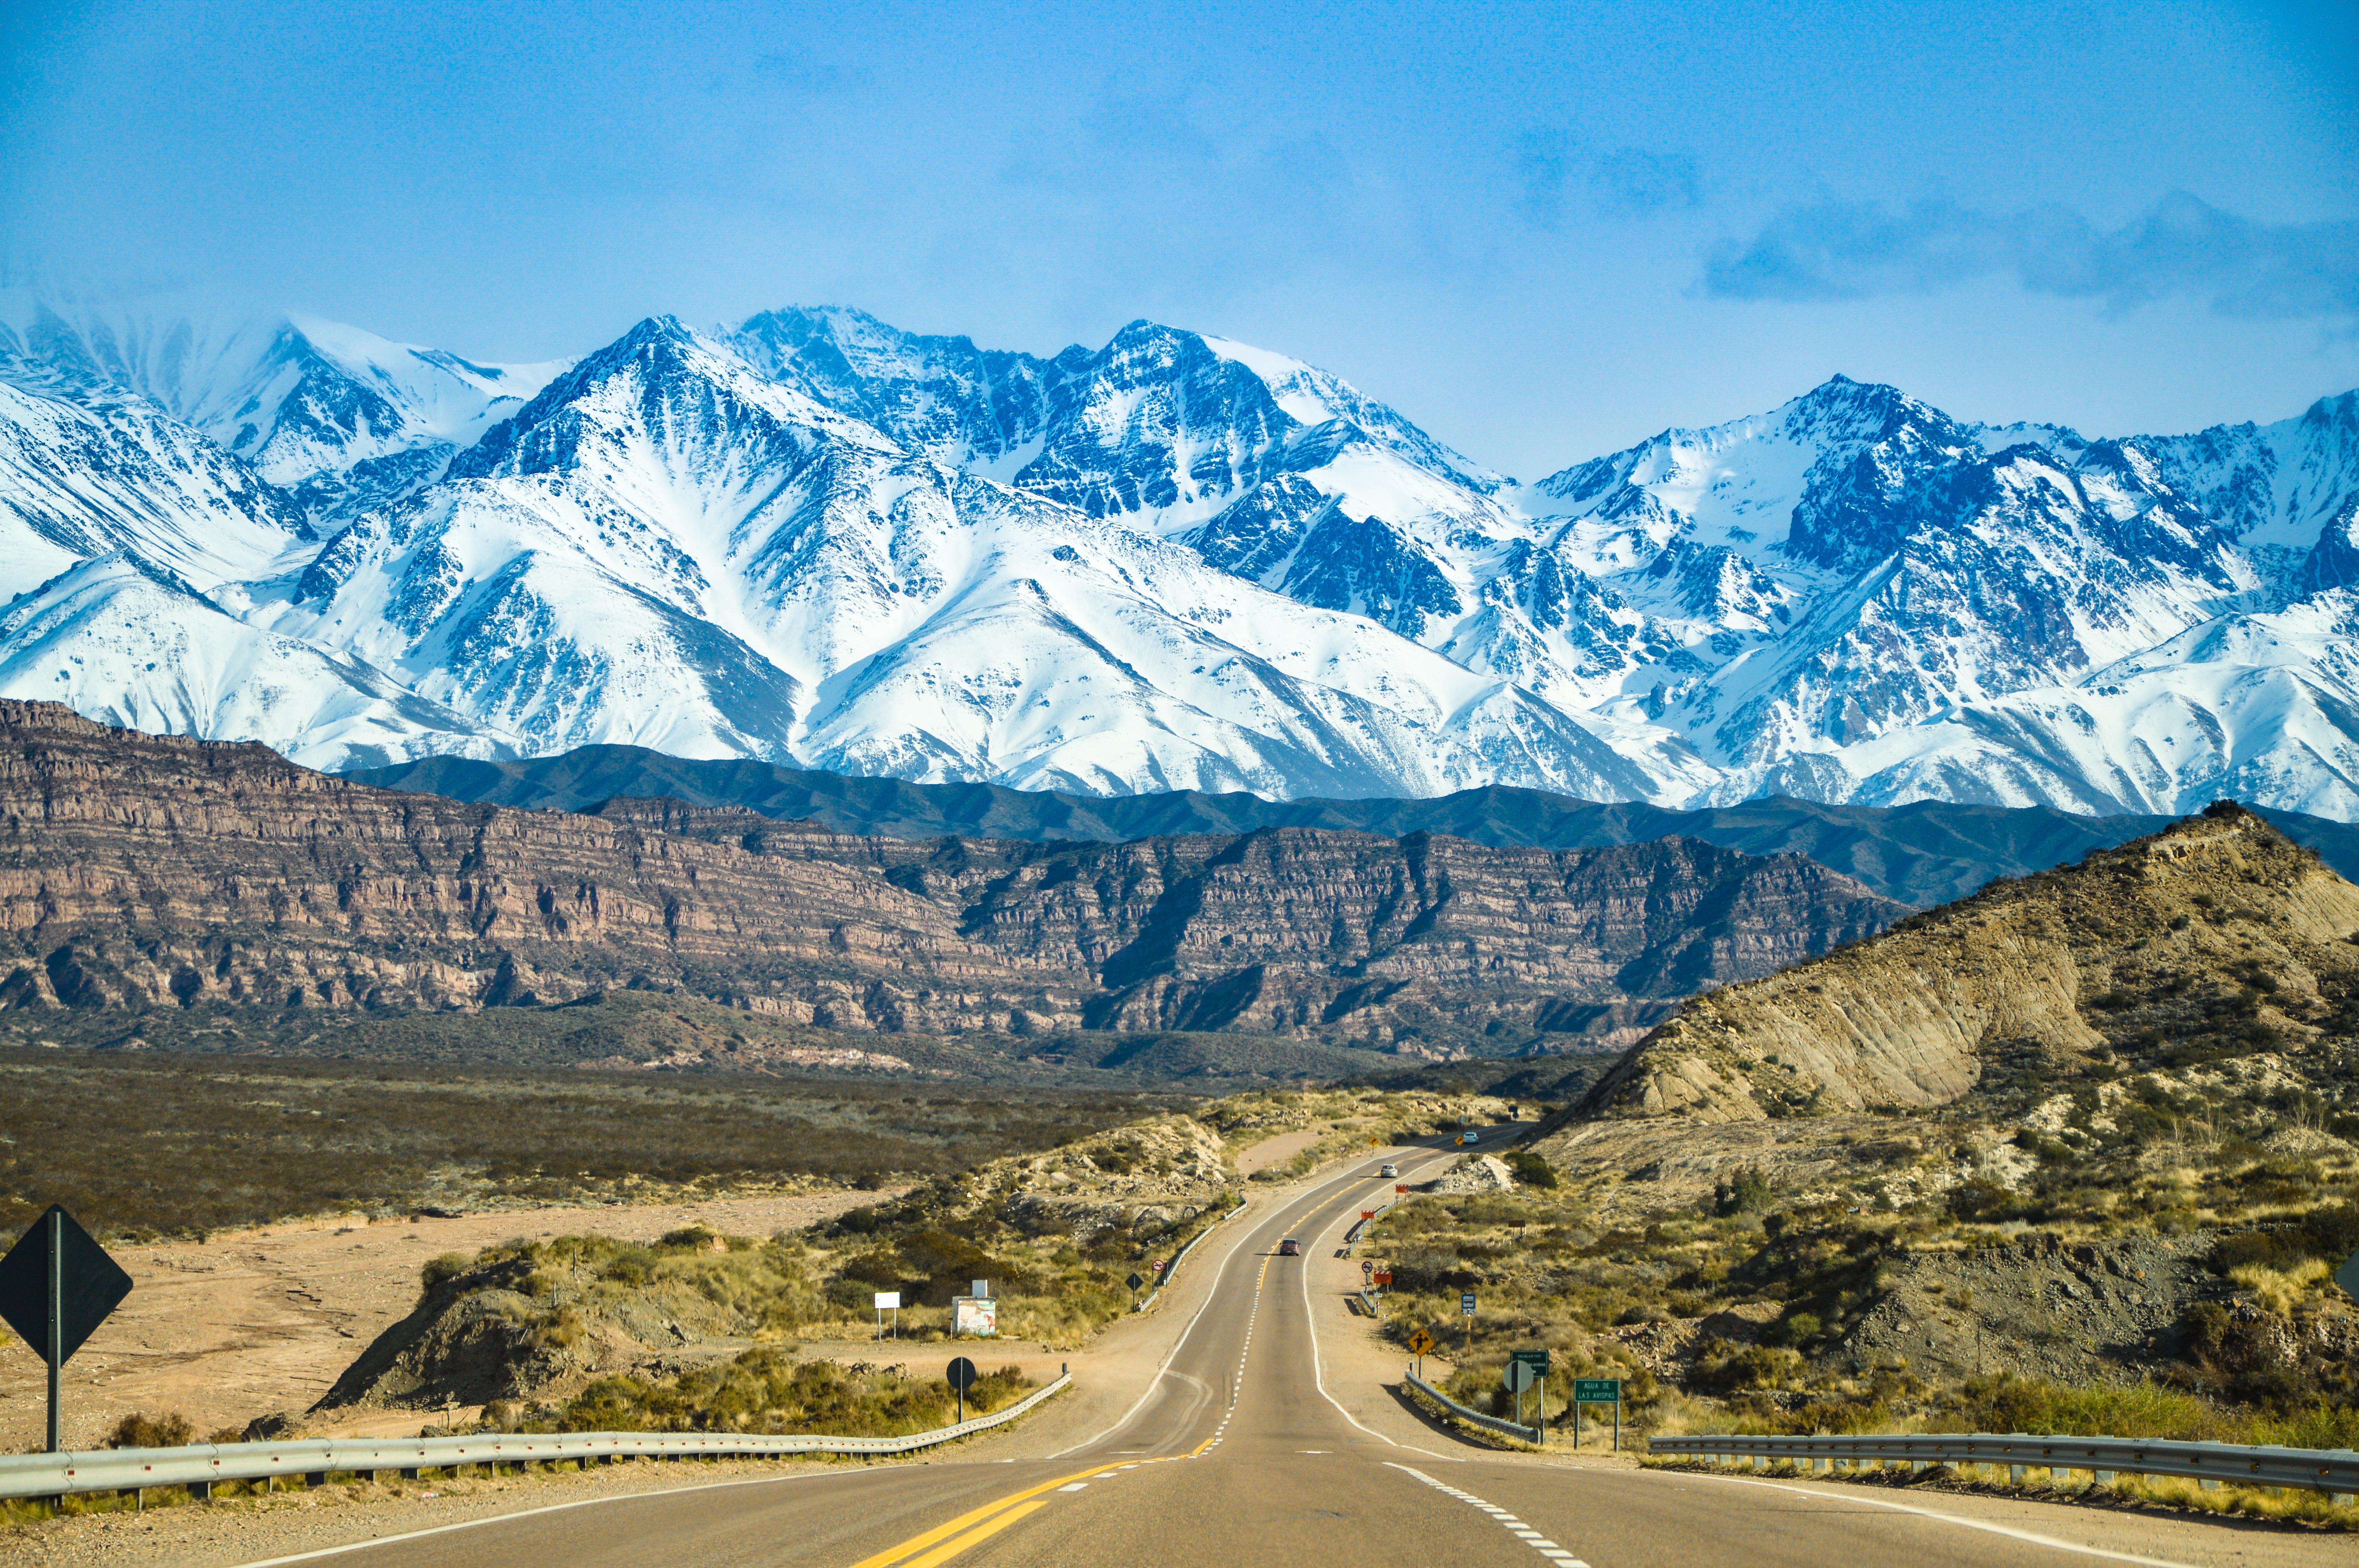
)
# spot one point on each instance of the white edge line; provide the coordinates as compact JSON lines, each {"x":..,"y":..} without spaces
{"x":2034,"y":1536}
{"x":562,"y":1507}
{"x":1218,"y":1275}
{"x":1318,"y":1367}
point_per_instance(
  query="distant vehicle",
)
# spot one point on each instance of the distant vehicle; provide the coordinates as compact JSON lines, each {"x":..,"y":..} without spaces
{"x":1469,"y":1137}
{"x":1388,"y":1168}
{"x":1289,"y":1247}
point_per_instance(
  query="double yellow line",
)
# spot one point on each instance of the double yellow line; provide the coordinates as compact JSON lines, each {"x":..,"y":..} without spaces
{"x":938,"y":1545}
{"x":979,"y":1524}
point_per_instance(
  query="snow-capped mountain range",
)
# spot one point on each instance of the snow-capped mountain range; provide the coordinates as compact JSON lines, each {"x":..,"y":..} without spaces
{"x":1174,"y":562}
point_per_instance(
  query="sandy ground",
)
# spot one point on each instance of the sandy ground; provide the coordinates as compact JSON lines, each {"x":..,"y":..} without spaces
{"x":1277,"y":1150}
{"x":1109,"y":1375}
{"x":257,"y":1321}
{"x":254,"y":1322}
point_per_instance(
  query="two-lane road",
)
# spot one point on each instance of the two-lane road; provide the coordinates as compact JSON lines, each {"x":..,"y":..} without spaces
{"x":1239,"y":1452}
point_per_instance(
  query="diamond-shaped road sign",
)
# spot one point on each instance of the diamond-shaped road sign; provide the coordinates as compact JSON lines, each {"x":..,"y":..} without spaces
{"x":56,"y":1286}
{"x":1419,"y":1342}
{"x":90,"y":1285}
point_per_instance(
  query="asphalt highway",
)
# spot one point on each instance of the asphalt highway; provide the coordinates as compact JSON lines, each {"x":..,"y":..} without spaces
{"x":1237,"y":1453}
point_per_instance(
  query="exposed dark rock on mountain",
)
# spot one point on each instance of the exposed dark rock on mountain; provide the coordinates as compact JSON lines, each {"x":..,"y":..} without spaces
{"x":141,"y":871}
{"x":1923,"y":853}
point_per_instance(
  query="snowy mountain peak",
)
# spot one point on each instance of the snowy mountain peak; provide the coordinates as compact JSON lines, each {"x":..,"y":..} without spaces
{"x":1176,"y":560}
{"x":338,"y":418}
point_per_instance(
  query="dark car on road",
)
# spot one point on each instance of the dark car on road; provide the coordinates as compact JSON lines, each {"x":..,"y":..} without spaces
{"x":1289,"y":1247}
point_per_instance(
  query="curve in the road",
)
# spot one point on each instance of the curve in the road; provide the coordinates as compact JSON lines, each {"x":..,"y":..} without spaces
{"x":1282,"y":1473}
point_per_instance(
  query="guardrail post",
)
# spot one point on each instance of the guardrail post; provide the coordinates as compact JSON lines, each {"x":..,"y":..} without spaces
{"x":200,"y":1492}
{"x":2101,"y":1478}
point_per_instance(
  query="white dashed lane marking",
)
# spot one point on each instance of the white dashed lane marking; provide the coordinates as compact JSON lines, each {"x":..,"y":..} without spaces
{"x":1515,"y":1527}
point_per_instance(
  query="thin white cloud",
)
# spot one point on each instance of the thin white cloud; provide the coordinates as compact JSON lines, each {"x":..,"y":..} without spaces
{"x":1843,"y":250}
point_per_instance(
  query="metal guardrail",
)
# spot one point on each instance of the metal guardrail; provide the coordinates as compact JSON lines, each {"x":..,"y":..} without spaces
{"x":1489,"y":1423}
{"x":1173,"y":1267}
{"x":2333,"y":1471}
{"x":200,"y":1466}
{"x":1352,"y":1235}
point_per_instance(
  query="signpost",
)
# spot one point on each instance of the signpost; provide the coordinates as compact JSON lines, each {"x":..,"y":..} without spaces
{"x":1419,"y":1342}
{"x":1597,"y":1391}
{"x":1401,"y":1186}
{"x":57,"y":1286}
{"x":1135,"y":1281}
{"x":1535,"y":1365}
{"x":888,"y":1301}
{"x":960,"y":1374}
{"x":1517,"y":1377}
{"x":1466,"y":1310}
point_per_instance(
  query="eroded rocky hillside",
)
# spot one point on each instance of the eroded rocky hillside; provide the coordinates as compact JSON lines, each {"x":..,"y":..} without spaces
{"x":141,"y":871}
{"x":2214,"y":940}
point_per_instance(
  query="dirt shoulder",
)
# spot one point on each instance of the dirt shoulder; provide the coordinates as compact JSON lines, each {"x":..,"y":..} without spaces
{"x":251,"y":1322}
{"x":1109,"y":1375}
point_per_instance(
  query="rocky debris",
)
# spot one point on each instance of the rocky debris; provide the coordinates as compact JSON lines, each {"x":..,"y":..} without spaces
{"x":472,"y":1339}
{"x":2308,"y":1143}
{"x":154,"y":871}
{"x":1146,"y":1179}
{"x":2072,"y":1313}
{"x":2206,"y":937}
{"x":1476,"y":1173}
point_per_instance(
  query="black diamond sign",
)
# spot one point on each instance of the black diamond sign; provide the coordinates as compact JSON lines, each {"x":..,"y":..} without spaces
{"x":92,"y":1284}
{"x":1135,"y":1281}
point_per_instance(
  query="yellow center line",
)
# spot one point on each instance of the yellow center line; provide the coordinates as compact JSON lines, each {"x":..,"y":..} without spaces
{"x":920,"y":1543}
{"x":1000,"y":1512}
{"x":987,"y":1528}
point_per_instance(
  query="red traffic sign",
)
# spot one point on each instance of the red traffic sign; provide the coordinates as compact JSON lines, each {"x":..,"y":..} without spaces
{"x":1401,"y":1186}
{"x":1367,"y":1214}
{"x":1383,"y":1276}
{"x":1367,"y":1266}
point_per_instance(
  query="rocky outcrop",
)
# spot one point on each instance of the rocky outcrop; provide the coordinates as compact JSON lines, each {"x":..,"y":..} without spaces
{"x":140,"y":871}
{"x":2215,"y":938}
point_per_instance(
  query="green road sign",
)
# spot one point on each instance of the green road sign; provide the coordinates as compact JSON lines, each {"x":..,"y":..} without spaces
{"x":1537,"y":1359}
{"x":1597,"y":1390}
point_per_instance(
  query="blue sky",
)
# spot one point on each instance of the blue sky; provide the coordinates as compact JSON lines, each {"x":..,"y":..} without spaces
{"x":1541,"y":230}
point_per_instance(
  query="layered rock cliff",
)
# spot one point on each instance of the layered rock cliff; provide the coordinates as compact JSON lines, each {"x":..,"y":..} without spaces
{"x":140,"y":871}
{"x":2213,"y":940}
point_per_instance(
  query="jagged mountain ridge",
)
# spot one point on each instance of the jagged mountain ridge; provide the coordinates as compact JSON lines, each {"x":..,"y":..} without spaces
{"x":140,"y":870}
{"x":337,"y":418}
{"x":1925,"y":853}
{"x":1178,"y":562}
